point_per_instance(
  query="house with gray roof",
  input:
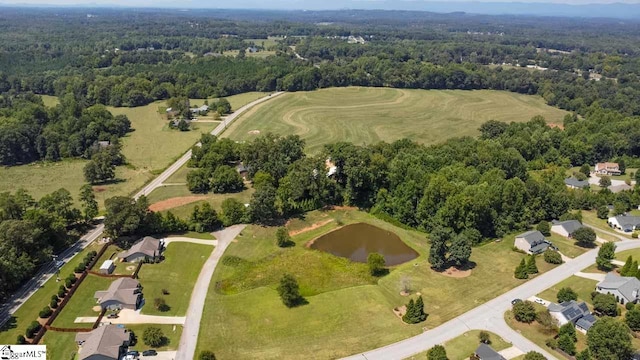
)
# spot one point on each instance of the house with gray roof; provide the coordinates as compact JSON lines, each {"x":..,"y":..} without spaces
{"x":620,"y":188}
{"x":486,"y":352}
{"x":108,"y":342}
{"x":624,"y":222}
{"x":625,"y":288}
{"x":574,"y":183}
{"x":532,"y":242}
{"x":124,"y":293}
{"x":565,"y":228}
{"x":147,"y":248}
{"x":573,"y":312}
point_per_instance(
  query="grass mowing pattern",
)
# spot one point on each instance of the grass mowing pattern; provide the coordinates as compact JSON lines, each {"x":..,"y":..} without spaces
{"x":369,"y":115}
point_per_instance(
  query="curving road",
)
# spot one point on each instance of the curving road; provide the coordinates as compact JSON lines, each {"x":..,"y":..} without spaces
{"x":490,"y":315}
{"x":27,"y":290}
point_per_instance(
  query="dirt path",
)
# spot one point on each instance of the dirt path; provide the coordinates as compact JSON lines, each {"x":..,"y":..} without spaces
{"x":309,"y":228}
{"x":175,"y":202}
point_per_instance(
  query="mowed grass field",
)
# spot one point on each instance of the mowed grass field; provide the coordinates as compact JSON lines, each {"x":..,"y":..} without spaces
{"x":369,"y":115}
{"x":348,"y":310}
{"x":466,"y":344}
{"x":150,"y":148}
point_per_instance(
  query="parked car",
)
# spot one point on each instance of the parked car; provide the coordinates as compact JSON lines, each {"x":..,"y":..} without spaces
{"x":540,"y":301}
{"x":133,"y":353}
{"x":515,"y":301}
{"x":112,"y":316}
{"x":149,"y":353}
{"x":59,"y":264}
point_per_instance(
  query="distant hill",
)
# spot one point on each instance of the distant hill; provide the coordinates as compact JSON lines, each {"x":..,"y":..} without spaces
{"x":612,"y":10}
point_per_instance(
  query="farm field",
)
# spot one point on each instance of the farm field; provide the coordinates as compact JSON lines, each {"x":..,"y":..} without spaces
{"x":369,"y":115}
{"x":244,"y":317}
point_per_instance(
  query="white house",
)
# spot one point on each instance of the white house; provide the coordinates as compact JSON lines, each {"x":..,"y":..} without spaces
{"x":608,"y":168}
{"x":625,"y":288}
{"x":624,"y":222}
{"x":573,"y":312}
{"x":532,"y":242}
{"x":565,"y":228}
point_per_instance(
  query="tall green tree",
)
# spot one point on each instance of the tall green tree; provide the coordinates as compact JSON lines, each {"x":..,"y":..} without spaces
{"x":521,"y":270}
{"x":566,"y":294}
{"x":459,"y":250}
{"x":282,"y":237}
{"x":262,"y":207}
{"x":632,"y":318}
{"x":437,"y":353}
{"x":290,"y":291}
{"x":585,"y":236}
{"x":233,"y":211}
{"x":605,"y":255}
{"x":624,"y":271}
{"x":532,"y":268}
{"x":89,"y":203}
{"x":609,"y":339}
{"x":438,"y":251}
{"x":376,"y":264}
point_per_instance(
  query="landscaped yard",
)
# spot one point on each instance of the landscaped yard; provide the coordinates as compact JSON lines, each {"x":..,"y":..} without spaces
{"x":177,"y":274}
{"x":567,"y":246}
{"x":591,"y":218}
{"x":583,"y":287}
{"x":369,"y":115}
{"x":28,"y":312}
{"x":122,"y":268}
{"x":60,"y":345}
{"x":466,"y":344}
{"x":171,"y":332}
{"x":252,"y":322}
{"x":82,"y":302}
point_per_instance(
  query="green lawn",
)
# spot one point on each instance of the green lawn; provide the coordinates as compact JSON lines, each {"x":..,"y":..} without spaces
{"x":236,"y":101}
{"x":195,"y":235}
{"x":60,"y":345}
{"x":180,"y":176}
{"x":121,"y":267}
{"x":82,"y":302}
{"x":266,"y":43}
{"x":184,"y":211}
{"x":583,"y":287}
{"x":566,"y":246}
{"x":244,"y":317}
{"x":623,"y":255}
{"x":171,"y":332}
{"x":591,"y":218}
{"x":177,"y":273}
{"x":369,"y":115}
{"x":466,"y":344}
{"x":30,"y":309}
{"x":50,"y":101}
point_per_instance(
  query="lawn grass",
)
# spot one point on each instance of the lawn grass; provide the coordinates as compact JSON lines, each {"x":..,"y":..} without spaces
{"x":195,"y":235}
{"x":566,"y":246}
{"x":177,"y":273}
{"x":266,"y":43}
{"x":583,"y":287}
{"x":82,"y":302}
{"x":111,"y":254}
{"x":30,"y":309}
{"x":171,"y":332}
{"x":369,"y":115}
{"x":253,"y":323}
{"x":236,"y":101}
{"x":466,"y":344}
{"x":184,"y":211}
{"x":260,"y":54}
{"x":180,"y":176}
{"x":591,"y":218}
{"x":50,"y":101}
{"x":623,"y":255}
{"x":60,"y":345}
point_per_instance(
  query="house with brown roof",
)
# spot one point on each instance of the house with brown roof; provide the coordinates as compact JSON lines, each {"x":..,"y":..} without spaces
{"x":147,"y":248}
{"x":108,"y":342}
{"x":124,"y":293}
{"x":608,"y":168}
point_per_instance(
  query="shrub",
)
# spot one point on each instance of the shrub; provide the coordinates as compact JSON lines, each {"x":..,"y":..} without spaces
{"x":484,"y":337}
{"x":552,"y":257}
{"x":53,"y":304}
{"x":207,"y":355}
{"x":376,"y":264}
{"x":544,"y":228}
{"x":165,"y":292}
{"x":68,"y":284}
{"x":282,"y":237}
{"x":45,"y":312}
{"x":54,"y":298}
{"x":566,"y":294}
{"x":524,"y":311}
{"x":32,"y":329}
{"x":532,"y":355}
{"x":437,"y":352}
{"x":153,"y":336}
{"x":161,"y":304}
{"x":552,"y":344}
{"x":290,"y":291}
{"x":62,"y":292}
{"x":629,"y":306}
{"x":20,"y":340}
{"x":634,"y":234}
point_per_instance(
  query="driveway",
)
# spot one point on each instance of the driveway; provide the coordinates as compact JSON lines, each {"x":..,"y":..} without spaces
{"x":127,"y":316}
{"x":591,"y":276}
{"x":511,"y":352}
{"x":170,"y":240}
{"x":189,"y":339}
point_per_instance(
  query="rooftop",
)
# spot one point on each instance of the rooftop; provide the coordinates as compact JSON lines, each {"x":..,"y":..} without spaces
{"x":148,"y":246}
{"x":628,"y":286}
{"x":123,"y":290}
{"x":573,"y":182}
{"x":533,"y":237}
{"x":570,"y":225}
{"x":486,"y":352}
{"x":105,"y":340}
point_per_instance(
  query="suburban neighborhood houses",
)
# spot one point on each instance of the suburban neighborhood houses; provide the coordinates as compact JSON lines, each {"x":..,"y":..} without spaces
{"x":107,"y":342}
{"x":565,"y":228}
{"x":625,"y":289}
{"x":147,"y":249}
{"x":532,"y":242}
{"x":123,"y":293}
{"x":486,"y":352}
{"x":624,"y":223}
{"x":573,"y":312}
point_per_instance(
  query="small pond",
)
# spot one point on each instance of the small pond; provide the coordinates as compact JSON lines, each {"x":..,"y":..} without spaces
{"x":357,"y":241}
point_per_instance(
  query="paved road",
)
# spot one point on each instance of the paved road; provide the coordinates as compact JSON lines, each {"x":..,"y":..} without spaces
{"x":490,"y":315}
{"x":157,"y":182}
{"x":48,"y":270}
{"x":24,"y":293}
{"x":189,"y":338}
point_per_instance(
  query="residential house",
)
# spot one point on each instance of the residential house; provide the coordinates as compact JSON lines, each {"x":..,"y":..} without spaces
{"x":486,"y":352}
{"x":251,"y":50}
{"x":625,"y":288}
{"x":532,"y":242}
{"x":619,"y":188}
{"x":201,"y":109}
{"x":624,"y":222}
{"x":147,"y":248}
{"x":574,"y":183}
{"x":108,"y":342}
{"x":573,"y":312}
{"x":565,"y":228}
{"x":107,"y":267}
{"x":242,"y":170}
{"x":124,"y":293}
{"x":608,"y":168}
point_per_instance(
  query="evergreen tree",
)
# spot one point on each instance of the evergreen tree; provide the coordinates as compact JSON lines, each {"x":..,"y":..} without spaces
{"x":437,"y":352}
{"x":290,"y":291}
{"x":624,"y":271}
{"x":415,"y":312}
{"x":89,"y":203}
{"x":521,"y":271}
{"x":633,"y":269}
{"x":532,"y":268}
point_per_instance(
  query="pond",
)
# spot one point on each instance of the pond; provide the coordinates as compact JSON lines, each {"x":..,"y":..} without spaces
{"x":357,"y":241}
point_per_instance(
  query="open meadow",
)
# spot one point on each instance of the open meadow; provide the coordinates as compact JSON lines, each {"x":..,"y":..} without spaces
{"x":244,"y":317}
{"x":150,"y":148}
{"x":369,"y":115}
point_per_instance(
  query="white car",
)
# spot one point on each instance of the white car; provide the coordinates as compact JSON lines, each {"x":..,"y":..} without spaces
{"x":540,"y":301}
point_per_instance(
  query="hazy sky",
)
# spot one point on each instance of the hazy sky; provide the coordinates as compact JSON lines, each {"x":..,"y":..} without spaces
{"x":266,"y":4}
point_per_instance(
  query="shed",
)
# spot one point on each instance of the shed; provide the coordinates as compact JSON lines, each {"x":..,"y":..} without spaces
{"x":107,"y":267}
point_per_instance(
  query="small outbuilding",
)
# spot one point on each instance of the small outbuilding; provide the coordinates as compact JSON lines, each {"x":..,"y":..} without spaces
{"x":107,"y":267}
